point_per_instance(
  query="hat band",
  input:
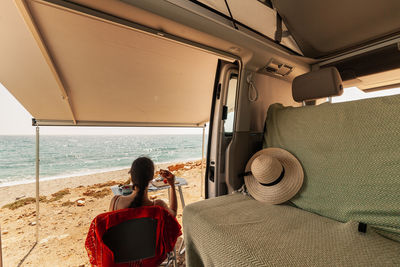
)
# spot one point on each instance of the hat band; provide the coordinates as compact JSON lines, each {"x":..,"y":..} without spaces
{"x":269,"y":184}
{"x":277,"y":180}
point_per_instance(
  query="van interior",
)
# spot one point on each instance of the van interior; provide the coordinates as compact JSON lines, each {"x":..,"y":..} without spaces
{"x":261,"y":73}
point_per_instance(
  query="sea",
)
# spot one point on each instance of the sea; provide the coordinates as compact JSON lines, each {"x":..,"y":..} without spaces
{"x":66,"y":156}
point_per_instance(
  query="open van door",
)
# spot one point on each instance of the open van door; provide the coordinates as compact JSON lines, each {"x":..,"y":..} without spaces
{"x":221,"y":127}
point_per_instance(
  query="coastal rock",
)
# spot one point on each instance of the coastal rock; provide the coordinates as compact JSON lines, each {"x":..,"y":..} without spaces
{"x":176,"y":167}
{"x":75,"y":199}
{"x":17,"y":198}
{"x":52,"y":237}
{"x":27,"y":215}
{"x":80,"y":203}
{"x":45,"y":240}
{"x":62,"y":236}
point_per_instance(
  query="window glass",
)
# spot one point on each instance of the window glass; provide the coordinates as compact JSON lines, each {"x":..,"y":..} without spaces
{"x":353,"y":93}
{"x":230,"y":103}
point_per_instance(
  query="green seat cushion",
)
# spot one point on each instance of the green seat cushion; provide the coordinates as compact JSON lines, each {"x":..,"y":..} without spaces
{"x":236,"y":230}
{"x":350,"y":153}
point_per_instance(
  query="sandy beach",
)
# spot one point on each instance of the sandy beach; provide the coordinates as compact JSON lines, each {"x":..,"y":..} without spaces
{"x":67,"y":207}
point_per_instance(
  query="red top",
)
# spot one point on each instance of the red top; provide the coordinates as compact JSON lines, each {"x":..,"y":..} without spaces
{"x":168,"y":231}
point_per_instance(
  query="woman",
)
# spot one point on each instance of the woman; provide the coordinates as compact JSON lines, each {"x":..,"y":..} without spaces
{"x":142,"y":172}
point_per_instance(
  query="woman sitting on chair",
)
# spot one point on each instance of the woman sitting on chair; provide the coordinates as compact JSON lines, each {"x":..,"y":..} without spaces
{"x":142,"y":172}
{"x":137,"y":230}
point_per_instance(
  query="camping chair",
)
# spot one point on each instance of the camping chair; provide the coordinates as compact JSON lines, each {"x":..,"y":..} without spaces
{"x":135,"y":240}
{"x":141,"y":236}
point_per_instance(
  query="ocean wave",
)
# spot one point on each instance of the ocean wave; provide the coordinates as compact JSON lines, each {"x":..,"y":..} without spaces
{"x":88,"y":154}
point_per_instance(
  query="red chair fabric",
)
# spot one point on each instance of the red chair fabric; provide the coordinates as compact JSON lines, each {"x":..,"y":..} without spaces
{"x":168,"y":231}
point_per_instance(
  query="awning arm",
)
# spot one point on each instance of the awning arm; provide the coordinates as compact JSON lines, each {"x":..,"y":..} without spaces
{"x":27,"y":17}
{"x":202,"y":162}
{"x":37,"y":203}
{"x":37,"y":184}
{"x":38,"y":122}
{"x":1,"y":250}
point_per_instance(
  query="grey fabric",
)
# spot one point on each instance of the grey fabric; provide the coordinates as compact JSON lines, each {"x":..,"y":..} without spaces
{"x":236,"y":230}
{"x":317,"y":84}
{"x":322,"y":28}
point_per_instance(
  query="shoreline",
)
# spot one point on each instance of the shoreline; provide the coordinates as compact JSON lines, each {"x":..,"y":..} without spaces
{"x":84,"y":173}
{"x":48,"y":186}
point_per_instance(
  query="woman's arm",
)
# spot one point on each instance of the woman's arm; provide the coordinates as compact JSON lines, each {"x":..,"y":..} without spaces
{"x":173,"y":203}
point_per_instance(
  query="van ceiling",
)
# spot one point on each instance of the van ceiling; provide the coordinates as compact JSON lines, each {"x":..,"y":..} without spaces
{"x":112,"y":73}
{"x":253,"y":14}
{"x":324,"y":28}
{"x":320,"y":28}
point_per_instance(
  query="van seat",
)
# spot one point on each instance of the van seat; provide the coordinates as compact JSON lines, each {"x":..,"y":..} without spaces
{"x":350,"y":157}
{"x":236,"y":230}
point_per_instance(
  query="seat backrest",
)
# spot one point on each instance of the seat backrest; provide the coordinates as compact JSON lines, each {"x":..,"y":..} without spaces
{"x":132,"y":240}
{"x":350,"y":154}
{"x":147,"y":233}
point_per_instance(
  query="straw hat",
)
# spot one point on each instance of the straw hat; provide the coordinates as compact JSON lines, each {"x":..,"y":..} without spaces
{"x":273,"y":175}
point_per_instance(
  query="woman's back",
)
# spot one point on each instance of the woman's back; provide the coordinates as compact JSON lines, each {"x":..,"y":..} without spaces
{"x":142,"y":172}
{"x":122,"y":202}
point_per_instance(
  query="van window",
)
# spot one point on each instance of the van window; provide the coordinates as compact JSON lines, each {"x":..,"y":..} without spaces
{"x":353,"y":93}
{"x":230,"y":103}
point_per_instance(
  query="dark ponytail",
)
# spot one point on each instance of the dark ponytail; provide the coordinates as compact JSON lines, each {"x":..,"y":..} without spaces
{"x":142,"y":171}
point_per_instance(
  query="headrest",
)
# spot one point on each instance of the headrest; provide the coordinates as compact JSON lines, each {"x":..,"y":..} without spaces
{"x":317,"y":84}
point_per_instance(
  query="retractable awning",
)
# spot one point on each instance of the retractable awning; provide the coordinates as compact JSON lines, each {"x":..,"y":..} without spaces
{"x":71,"y":66}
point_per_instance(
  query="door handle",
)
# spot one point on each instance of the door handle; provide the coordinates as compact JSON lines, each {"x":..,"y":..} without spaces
{"x":212,"y":173}
{"x":224,"y":112}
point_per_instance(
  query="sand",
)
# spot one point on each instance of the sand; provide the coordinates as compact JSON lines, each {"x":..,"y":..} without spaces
{"x":64,"y":224}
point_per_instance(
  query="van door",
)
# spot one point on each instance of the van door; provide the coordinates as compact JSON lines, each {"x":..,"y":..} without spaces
{"x":221,"y":127}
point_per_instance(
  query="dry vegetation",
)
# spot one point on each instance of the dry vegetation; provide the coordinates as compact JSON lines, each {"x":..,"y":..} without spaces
{"x":97,"y":193}
{"x":106,"y":184}
{"x":67,"y":203}
{"x":59,"y":195}
{"x":29,"y":200}
{"x":23,"y":202}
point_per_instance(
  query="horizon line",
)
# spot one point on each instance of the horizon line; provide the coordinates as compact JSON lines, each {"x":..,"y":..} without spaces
{"x":59,"y":134}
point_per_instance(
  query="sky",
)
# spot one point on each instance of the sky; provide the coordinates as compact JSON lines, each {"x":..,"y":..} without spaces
{"x":353,"y":93}
{"x":15,"y":120}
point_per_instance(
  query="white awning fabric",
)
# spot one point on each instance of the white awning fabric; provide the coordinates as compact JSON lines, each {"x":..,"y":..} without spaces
{"x":100,"y":72}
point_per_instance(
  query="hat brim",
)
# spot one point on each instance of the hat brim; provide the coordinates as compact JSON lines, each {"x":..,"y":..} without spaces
{"x":286,"y":188}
